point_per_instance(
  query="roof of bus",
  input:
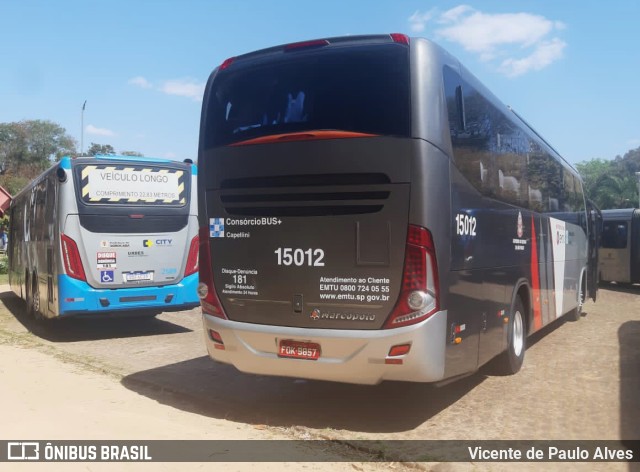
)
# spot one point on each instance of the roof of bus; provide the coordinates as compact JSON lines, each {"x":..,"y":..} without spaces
{"x":114,"y":157}
{"x":65,"y":162}
{"x":400,"y":39}
{"x":625,"y":213}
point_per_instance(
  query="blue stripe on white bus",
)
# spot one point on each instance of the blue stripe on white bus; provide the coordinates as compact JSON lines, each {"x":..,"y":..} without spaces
{"x":77,"y":296}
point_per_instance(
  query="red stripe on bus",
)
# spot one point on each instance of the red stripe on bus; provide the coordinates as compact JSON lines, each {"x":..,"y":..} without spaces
{"x":535,"y":279}
{"x":304,"y":136}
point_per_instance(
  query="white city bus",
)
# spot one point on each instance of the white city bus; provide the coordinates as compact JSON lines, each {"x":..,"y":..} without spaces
{"x":106,"y":234}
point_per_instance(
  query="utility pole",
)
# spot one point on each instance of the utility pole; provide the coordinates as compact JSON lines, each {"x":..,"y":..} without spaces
{"x":82,"y":128}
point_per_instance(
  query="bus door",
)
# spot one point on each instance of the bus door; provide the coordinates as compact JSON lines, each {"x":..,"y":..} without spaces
{"x":615,"y":253}
{"x":546,"y":292}
{"x":50,"y":218}
{"x":635,"y":247}
{"x":594,"y":222}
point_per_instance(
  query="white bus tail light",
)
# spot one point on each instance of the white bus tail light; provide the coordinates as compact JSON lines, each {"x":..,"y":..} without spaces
{"x":206,"y":290}
{"x":419,"y":292}
{"x":71,"y":257}
{"x":192,"y":258}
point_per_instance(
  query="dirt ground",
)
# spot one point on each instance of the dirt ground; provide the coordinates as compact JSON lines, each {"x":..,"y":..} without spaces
{"x":44,"y":397}
{"x":151,"y":379}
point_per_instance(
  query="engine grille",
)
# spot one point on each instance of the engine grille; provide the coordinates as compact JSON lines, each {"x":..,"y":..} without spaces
{"x":306,"y":195}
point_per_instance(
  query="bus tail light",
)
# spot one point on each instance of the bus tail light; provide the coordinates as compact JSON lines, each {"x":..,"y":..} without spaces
{"x":206,"y":290}
{"x":400,"y":38}
{"x":419,"y":292}
{"x":192,"y":258}
{"x":218,"y":343}
{"x":227,"y":63}
{"x":316,"y":43}
{"x":71,"y":257}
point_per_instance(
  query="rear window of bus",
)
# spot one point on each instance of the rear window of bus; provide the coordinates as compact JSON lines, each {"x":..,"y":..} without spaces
{"x":362,"y":89}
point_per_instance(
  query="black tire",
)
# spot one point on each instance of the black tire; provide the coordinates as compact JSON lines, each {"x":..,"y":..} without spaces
{"x":35,"y":298}
{"x":511,"y":360}
{"x":27,"y":295}
{"x":576,"y":313}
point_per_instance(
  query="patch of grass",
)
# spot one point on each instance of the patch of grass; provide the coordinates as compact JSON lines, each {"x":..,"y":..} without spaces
{"x":4,"y":268}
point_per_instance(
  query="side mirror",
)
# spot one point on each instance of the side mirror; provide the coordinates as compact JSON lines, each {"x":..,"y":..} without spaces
{"x":61,"y":174}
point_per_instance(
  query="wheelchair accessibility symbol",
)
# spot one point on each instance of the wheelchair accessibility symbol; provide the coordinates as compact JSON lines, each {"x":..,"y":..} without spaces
{"x":106,"y":276}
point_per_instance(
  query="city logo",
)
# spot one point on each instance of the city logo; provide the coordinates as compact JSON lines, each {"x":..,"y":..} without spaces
{"x":157,"y":242}
{"x":216,"y":227}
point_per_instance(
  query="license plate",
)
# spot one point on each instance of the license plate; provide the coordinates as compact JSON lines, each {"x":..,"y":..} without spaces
{"x":137,"y":276}
{"x":299,"y":349}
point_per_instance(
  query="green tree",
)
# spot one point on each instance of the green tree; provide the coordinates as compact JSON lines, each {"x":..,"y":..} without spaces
{"x":614,"y":191}
{"x":34,"y":143}
{"x":612,"y":183}
{"x":47,"y":141}
{"x":13,"y":183}
{"x":28,"y":147}
{"x":630,"y":162}
{"x":96,"y":149}
{"x":13,"y":144}
{"x":592,"y":172}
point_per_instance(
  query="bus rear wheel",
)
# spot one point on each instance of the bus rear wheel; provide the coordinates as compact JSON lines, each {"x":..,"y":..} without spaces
{"x":511,"y":361}
{"x":576,"y":313}
{"x":27,"y":295}
{"x":33,"y":298}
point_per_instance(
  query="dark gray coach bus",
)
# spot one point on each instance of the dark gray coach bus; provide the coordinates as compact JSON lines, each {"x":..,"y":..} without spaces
{"x":369,"y":211}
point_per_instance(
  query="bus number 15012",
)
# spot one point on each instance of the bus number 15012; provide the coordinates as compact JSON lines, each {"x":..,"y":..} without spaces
{"x":465,"y":225}
{"x":300,"y":257}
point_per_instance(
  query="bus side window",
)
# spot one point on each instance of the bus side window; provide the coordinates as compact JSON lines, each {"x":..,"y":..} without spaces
{"x":614,"y":234}
{"x":454,"y":99}
{"x":467,"y":126}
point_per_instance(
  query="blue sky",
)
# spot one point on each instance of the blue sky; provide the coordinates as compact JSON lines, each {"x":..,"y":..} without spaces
{"x":571,"y":68}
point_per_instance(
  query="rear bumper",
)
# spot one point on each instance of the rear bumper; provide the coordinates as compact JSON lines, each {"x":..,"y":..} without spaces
{"x":351,"y":356}
{"x":77,"y":297}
